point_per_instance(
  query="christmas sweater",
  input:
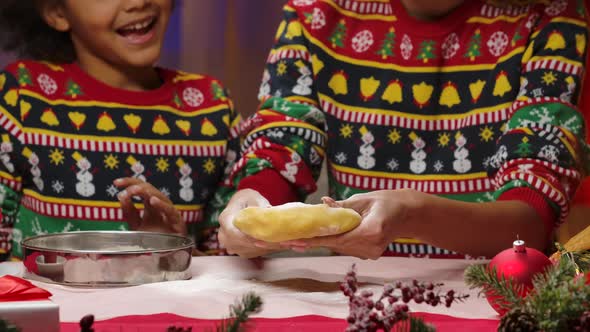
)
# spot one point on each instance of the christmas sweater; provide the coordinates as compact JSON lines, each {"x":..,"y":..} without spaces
{"x":478,"y":106}
{"x":65,"y":137}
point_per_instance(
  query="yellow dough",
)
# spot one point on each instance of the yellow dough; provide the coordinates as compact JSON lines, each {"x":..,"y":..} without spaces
{"x":294,"y":221}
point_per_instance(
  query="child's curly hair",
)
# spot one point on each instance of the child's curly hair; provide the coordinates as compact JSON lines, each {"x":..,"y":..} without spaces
{"x":23,"y":30}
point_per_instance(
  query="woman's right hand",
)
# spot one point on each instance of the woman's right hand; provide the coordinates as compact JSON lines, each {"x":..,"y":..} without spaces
{"x":234,"y":240}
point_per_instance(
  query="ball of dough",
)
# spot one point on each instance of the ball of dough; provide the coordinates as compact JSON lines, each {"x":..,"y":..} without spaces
{"x":294,"y":221}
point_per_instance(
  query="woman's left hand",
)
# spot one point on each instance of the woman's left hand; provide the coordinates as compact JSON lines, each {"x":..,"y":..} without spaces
{"x":159,"y":214}
{"x":385,"y":215}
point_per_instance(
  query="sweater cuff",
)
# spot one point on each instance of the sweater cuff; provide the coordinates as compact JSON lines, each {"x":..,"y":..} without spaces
{"x":271,"y":185}
{"x":535,"y":200}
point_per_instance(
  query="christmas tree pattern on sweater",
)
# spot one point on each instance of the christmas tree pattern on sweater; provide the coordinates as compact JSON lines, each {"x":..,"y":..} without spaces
{"x":66,"y":137}
{"x":474,"y":107}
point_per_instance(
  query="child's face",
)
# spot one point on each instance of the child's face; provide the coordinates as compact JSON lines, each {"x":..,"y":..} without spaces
{"x":119,"y":32}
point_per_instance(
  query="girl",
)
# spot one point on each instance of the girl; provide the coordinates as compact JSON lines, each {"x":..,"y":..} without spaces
{"x":451,"y":126}
{"x":89,"y":121}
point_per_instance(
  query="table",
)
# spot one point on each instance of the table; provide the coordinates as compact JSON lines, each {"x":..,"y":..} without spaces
{"x":299,"y":294}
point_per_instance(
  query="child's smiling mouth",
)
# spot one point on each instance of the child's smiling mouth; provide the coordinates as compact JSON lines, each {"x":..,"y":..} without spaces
{"x":140,"y":31}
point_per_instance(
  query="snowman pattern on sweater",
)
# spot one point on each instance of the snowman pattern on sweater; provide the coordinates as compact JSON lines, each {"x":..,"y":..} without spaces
{"x":137,"y":168}
{"x":418,"y":155}
{"x":6,"y":149}
{"x":186,"y":182}
{"x":84,"y":186}
{"x":35,"y":170}
{"x":461,"y":164}
{"x":366,"y":160}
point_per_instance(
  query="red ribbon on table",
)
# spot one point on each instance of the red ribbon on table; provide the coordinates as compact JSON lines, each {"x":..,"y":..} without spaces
{"x":17,"y":289}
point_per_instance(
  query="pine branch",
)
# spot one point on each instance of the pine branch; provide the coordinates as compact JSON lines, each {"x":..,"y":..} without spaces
{"x":555,"y":275}
{"x":486,"y":279}
{"x":580,"y":258}
{"x":412,"y":324}
{"x":6,"y":326}
{"x":240,"y":313}
{"x":418,"y":325}
{"x":558,"y":297}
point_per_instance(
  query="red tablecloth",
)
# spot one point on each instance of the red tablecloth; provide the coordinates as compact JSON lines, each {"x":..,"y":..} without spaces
{"x":299,"y":294}
{"x":160,"y":322}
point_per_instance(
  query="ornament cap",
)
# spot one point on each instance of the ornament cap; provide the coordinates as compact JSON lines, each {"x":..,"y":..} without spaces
{"x":519,"y":246}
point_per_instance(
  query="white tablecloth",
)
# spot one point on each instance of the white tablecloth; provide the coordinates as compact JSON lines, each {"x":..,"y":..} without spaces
{"x":288,"y":286}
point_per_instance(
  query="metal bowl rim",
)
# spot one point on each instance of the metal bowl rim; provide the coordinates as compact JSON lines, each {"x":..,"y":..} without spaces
{"x":190,"y":245}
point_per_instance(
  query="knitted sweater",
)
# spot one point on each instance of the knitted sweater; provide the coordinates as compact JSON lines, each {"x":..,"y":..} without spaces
{"x":478,"y":106}
{"x":66,"y":137}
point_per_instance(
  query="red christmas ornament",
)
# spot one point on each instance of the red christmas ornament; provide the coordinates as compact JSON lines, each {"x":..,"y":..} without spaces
{"x":519,"y":264}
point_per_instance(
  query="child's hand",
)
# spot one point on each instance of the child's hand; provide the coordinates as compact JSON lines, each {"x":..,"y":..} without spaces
{"x":159,"y":214}
{"x":385,"y":214}
{"x":234,"y":240}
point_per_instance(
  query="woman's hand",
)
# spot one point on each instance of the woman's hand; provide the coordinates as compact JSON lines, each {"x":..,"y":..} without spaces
{"x":234,"y":240}
{"x":385,"y":215}
{"x":159,"y":214}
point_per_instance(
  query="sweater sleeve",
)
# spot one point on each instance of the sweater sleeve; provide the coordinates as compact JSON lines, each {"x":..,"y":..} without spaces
{"x":11,"y":108}
{"x":206,"y":231}
{"x":285,"y":139}
{"x":540,"y":158}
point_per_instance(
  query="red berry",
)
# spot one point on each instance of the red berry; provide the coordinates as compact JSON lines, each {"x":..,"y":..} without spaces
{"x":86,"y":322}
{"x":379,"y":306}
{"x":430,"y":286}
{"x":366,"y":293}
{"x":372,"y":326}
{"x":419,"y":298}
{"x":388,"y":323}
{"x":388,"y":289}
